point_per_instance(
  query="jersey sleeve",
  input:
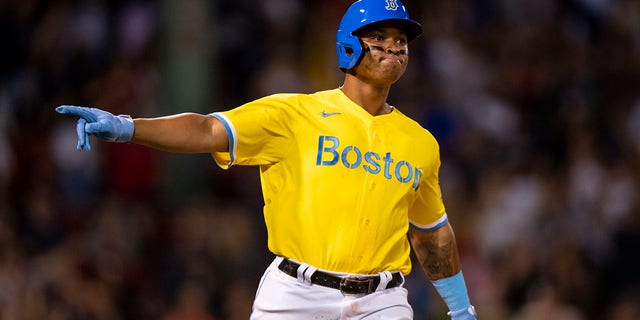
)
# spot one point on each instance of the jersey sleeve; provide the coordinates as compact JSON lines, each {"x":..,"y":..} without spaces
{"x":259,"y":131}
{"x":428,"y":211}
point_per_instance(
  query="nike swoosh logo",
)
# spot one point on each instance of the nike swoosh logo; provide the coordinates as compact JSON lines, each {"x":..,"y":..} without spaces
{"x":325,"y":114}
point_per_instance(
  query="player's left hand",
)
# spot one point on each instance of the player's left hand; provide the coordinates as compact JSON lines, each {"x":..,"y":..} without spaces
{"x":100,"y":123}
{"x":464,"y":314}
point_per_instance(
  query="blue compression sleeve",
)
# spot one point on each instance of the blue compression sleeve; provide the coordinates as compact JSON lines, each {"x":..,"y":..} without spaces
{"x":453,"y":291}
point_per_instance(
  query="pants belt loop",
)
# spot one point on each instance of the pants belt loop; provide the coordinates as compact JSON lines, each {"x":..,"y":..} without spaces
{"x":277,"y":261}
{"x":302,"y":278}
{"x":385,"y":277}
{"x":308,"y":273}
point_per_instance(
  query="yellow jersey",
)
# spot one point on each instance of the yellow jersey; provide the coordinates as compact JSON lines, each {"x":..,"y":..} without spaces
{"x":340,"y":186}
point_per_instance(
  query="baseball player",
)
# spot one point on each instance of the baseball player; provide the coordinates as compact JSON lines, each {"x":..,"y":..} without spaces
{"x":345,"y":178}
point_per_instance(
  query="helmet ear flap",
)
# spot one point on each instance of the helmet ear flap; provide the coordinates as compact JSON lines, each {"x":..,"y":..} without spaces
{"x":349,"y":52}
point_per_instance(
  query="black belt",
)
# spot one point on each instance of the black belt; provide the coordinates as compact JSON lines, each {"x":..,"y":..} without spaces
{"x":347,"y":285}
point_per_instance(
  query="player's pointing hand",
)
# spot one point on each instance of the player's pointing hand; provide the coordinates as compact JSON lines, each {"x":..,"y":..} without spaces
{"x":99,"y":123}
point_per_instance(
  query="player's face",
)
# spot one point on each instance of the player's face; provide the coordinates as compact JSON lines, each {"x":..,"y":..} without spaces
{"x":386,"y":55}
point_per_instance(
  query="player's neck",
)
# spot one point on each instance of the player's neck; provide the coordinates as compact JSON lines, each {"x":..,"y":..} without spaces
{"x":371,"y":98}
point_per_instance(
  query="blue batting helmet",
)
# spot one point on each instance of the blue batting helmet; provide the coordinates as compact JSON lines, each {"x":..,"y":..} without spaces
{"x":363,"y":13}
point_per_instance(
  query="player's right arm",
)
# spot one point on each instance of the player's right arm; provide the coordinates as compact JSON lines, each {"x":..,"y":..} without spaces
{"x":183,"y":133}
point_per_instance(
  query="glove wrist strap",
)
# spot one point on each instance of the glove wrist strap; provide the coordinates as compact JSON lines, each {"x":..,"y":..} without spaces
{"x":128,"y":127}
{"x":463,"y":314}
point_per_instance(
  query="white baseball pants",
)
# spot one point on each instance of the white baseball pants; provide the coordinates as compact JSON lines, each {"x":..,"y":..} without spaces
{"x":282,"y":297}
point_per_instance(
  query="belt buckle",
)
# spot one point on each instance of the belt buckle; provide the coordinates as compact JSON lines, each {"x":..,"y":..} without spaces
{"x":353,"y":285}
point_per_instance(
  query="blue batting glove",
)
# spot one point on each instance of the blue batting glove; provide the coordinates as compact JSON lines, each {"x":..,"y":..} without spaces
{"x":463,"y":314}
{"x":99,"y":123}
{"x":453,"y":291}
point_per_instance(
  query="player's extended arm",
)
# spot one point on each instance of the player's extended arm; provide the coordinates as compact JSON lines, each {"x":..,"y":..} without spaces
{"x":184,"y":133}
{"x":437,"y":253}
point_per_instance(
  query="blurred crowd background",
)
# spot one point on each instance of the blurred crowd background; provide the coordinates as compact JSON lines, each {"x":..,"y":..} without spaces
{"x":535,"y":103}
